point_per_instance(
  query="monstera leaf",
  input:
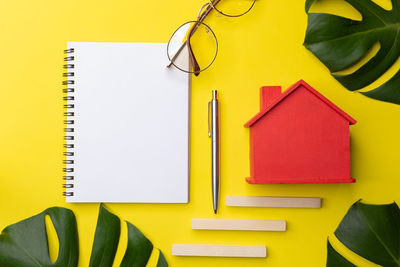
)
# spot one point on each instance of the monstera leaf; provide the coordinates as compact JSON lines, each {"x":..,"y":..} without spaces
{"x":336,"y":260}
{"x":341,"y":43}
{"x":25,"y":244}
{"x":371,"y":231}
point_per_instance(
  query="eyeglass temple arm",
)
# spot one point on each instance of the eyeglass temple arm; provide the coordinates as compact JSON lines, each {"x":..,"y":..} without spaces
{"x":195,"y":64}
{"x":177,"y":54}
{"x":201,"y":17}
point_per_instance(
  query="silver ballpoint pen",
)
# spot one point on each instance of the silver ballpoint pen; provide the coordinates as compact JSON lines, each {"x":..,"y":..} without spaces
{"x":214,"y":134}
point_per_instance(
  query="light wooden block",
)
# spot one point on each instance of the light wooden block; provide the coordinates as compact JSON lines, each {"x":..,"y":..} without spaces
{"x":244,"y":225}
{"x":219,"y":251}
{"x":278,"y":202}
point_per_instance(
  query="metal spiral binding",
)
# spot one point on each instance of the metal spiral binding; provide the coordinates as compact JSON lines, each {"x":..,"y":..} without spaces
{"x":69,"y":129}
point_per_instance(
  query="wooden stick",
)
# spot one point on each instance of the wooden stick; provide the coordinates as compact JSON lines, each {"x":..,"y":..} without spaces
{"x":245,"y":225}
{"x":219,"y":251}
{"x":280,"y":202}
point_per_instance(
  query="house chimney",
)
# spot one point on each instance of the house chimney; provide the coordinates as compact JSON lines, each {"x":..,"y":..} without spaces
{"x":268,"y":94}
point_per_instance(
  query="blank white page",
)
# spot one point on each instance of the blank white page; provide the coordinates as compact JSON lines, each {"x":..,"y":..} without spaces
{"x":131,"y":130}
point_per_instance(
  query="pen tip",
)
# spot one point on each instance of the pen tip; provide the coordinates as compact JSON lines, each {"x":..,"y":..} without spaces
{"x":215,"y":211}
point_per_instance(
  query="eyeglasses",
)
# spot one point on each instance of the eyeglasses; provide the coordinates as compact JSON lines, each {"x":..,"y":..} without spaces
{"x":196,"y":36}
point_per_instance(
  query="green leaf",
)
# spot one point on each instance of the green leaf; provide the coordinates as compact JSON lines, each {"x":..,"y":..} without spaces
{"x":373,"y":232}
{"x":162,"y":262}
{"x":385,"y":92}
{"x":309,"y":4}
{"x":341,"y":43}
{"x":25,"y":244}
{"x":138,"y":250}
{"x":106,"y":239}
{"x":335,"y":259}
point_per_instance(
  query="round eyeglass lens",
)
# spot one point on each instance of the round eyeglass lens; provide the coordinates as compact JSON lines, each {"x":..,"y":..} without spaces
{"x":202,"y":41}
{"x":232,"y":8}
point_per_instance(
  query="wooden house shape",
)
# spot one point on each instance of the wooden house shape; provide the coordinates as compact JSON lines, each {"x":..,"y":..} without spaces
{"x":299,"y":136}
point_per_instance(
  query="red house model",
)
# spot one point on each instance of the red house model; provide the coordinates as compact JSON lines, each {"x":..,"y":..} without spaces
{"x":299,"y":136}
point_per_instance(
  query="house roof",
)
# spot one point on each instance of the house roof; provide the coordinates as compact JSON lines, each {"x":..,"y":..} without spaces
{"x":291,"y":90}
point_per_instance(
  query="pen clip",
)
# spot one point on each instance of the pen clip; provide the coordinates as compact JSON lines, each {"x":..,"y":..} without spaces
{"x":208,"y":118}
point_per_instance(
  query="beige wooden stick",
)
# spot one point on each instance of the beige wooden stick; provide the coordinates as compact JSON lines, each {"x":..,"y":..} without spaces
{"x":219,"y":251}
{"x":280,"y":202}
{"x":245,"y":225}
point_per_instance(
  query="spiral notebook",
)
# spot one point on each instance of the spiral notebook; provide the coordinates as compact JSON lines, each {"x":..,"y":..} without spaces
{"x":127,"y":124}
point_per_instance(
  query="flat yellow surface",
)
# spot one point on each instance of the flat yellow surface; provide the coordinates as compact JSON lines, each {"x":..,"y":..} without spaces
{"x":262,"y":48}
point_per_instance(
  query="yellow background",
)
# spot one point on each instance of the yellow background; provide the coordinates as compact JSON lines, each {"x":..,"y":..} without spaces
{"x":263,"y":47}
